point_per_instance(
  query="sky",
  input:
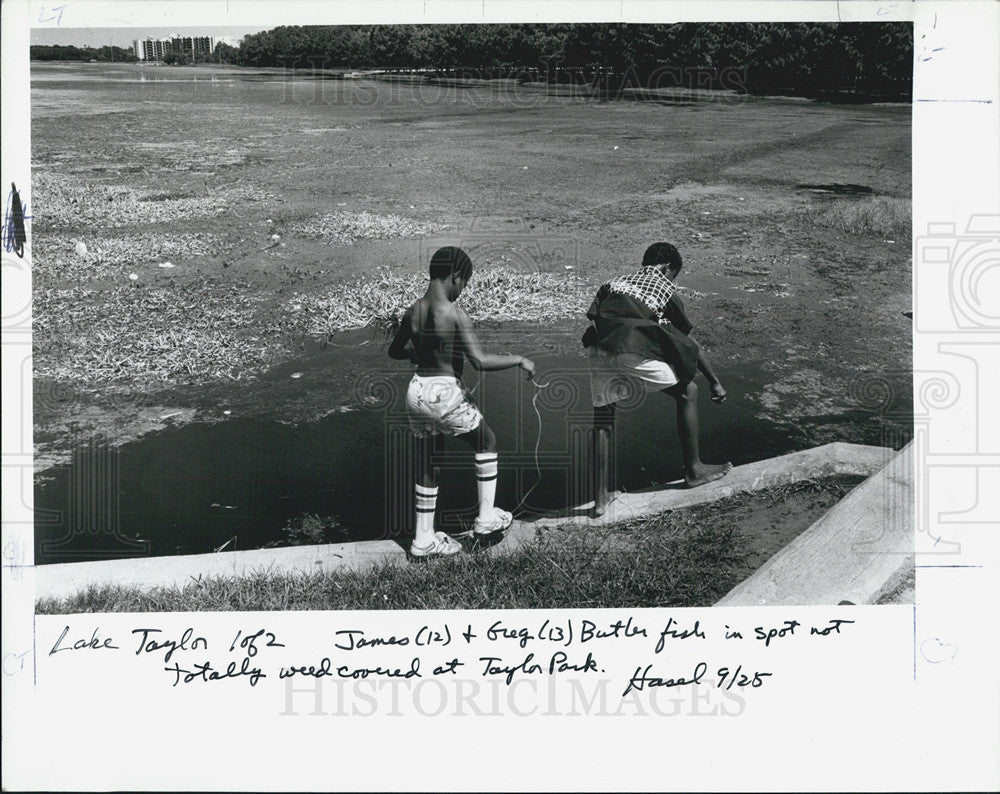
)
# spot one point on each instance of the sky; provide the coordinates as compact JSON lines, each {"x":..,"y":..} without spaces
{"x":123,"y":37}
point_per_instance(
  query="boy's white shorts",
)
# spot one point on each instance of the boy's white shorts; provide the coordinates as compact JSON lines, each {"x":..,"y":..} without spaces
{"x":438,"y":404}
{"x":614,"y":376}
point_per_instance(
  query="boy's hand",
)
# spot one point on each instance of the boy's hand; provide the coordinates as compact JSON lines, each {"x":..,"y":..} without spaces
{"x":718,"y":393}
{"x":528,"y":366}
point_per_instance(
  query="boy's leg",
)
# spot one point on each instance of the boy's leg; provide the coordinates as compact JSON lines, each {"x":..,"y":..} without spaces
{"x":603,"y":443}
{"x":426,"y":490}
{"x":695,"y":472}
{"x":484,"y":444}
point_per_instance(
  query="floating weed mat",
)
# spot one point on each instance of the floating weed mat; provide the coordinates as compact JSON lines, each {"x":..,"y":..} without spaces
{"x":881,"y":216}
{"x":495,"y":293}
{"x":347,"y":228}
{"x":137,"y":336}
{"x":60,"y":201}
{"x":57,"y":257}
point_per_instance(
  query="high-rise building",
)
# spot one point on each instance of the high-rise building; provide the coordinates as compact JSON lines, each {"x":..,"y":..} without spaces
{"x":156,"y":49}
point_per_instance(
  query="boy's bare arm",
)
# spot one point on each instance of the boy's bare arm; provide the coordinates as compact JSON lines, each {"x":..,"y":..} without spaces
{"x":717,"y":390}
{"x":479,"y":358}
{"x":397,"y":349}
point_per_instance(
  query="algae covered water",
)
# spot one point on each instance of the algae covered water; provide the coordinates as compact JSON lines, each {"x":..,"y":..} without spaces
{"x":243,"y":482}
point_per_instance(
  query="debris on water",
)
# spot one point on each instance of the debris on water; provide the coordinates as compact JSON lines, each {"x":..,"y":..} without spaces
{"x":227,"y":413}
{"x":133,"y":276}
{"x":347,"y":228}
{"x":296,"y":375}
{"x":383,"y":296}
{"x":778,"y":290}
{"x":616,"y":148}
{"x":81,"y":248}
{"x":73,"y":202}
{"x":890,"y":241}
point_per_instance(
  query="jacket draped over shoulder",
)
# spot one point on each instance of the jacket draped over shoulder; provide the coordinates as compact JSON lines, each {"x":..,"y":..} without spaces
{"x":641,"y":313}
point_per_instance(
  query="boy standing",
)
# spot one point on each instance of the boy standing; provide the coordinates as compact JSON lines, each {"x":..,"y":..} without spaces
{"x":639,"y":335}
{"x":441,"y":338}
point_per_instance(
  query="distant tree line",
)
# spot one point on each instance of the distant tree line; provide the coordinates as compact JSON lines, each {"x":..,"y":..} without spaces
{"x":223,"y":53}
{"x":806,"y":58}
{"x":67,"y":52}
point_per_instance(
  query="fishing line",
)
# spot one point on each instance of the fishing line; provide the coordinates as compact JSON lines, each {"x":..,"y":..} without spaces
{"x":538,"y":440}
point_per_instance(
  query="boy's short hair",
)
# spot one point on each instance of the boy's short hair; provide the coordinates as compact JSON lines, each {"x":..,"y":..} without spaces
{"x":451,"y":260}
{"x":662,"y":254}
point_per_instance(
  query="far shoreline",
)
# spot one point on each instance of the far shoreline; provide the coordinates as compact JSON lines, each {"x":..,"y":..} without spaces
{"x":587,"y":89}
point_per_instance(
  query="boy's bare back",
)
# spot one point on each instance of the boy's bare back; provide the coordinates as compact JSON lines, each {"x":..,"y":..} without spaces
{"x":435,"y":333}
{"x":439,"y":332}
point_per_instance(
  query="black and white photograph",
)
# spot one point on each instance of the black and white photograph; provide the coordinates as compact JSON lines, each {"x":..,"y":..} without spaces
{"x":588,"y":314}
{"x":365,"y":365}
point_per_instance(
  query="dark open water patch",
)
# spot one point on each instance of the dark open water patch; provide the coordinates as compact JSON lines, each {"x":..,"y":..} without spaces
{"x":193,"y":488}
{"x":838,"y":189}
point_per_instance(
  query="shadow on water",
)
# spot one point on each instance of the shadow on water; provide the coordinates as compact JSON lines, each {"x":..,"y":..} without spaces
{"x":193,"y":488}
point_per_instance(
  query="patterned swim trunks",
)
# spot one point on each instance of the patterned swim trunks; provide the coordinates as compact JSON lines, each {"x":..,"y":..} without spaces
{"x":611,"y":374}
{"x":438,"y":404}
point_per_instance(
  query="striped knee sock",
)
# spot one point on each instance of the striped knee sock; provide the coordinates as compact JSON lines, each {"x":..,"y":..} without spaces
{"x":486,"y":480}
{"x":426,"y":505}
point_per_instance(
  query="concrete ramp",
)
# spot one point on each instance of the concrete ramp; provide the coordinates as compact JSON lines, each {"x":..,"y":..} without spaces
{"x":66,"y":579}
{"x":809,"y":464}
{"x":860,"y":551}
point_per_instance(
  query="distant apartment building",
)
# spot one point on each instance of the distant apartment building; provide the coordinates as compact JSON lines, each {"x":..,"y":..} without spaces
{"x":157,"y":49}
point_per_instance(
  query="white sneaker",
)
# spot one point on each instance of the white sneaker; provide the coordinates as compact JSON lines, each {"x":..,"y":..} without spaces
{"x":498,"y":522}
{"x":441,"y":545}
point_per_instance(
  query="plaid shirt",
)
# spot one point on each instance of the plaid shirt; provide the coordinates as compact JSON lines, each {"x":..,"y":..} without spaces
{"x":627,"y":316}
{"x":648,"y":285}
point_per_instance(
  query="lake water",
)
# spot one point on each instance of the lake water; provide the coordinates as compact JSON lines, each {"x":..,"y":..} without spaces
{"x":192,"y":488}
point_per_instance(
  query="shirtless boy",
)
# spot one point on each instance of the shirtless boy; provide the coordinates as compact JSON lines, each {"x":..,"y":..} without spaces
{"x":436,"y":334}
